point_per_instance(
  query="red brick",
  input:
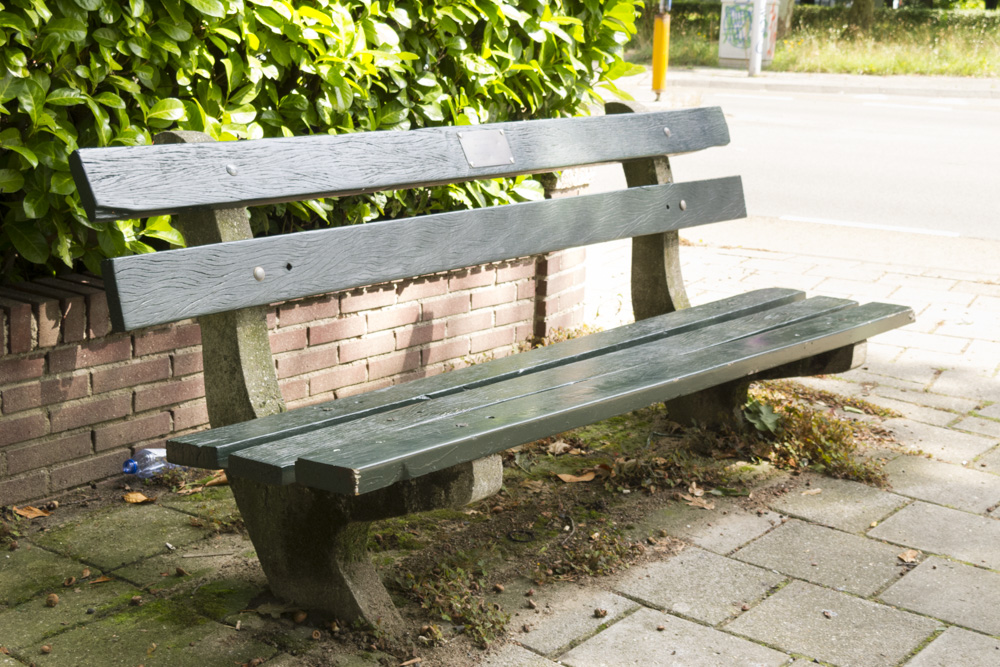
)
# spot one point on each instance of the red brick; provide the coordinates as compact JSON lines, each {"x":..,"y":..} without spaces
{"x":3,"y":333}
{"x":356,"y":389}
{"x":25,"y":368}
{"x":493,"y":297}
{"x":98,"y":320}
{"x":488,"y":340}
{"x":454,"y":304}
{"x":93,"y":353}
{"x":284,"y":340}
{"x":347,"y":327}
{"x":72,"y":306}
{"x":186,"y":363}
{"x":132,"y":374}
{"x":524,"y":332}
{"x":132,"y":431}
{"x":562,"y":281}
{"x":46,"y":392}
{"x":393,"y":364}
{"x":335,"y":378}
{"x":393,"y":317}
{"x":353,"y":350}
{"x":189,"y":416}
{"x":87,"y":470}
{"x":458,"y":326}
{"x":19,"y":429}
{"x":19,"y":325}
{"x":442,"y":351}
{"x":294,"y":389}
{"x":312,"y":359}
{"x":519,"y":271}
{"x":308,"y":310}
{"x":169,"y":393}
{"x":565,"y":320}
{"x":561,"y":260}
{"x":374,"y":297}
{"x":422,"y":289}
{"x":476,"y":277}
{"x":24,"y":488}
{"x":85,"y":413}
{"x":526,"y":290}
{"x":519,"y":312}
{"x":172,"y":338}
{"x":272,"y":318}
{"x":558,"y":303}
{"x":47,"y":313}
{"x":420,"y":335}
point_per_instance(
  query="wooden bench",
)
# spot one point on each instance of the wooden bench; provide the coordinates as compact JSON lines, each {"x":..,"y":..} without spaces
{"x":308,"y":481}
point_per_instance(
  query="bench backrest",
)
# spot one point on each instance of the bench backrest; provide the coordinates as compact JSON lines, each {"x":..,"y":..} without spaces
{"x":225,"y":277}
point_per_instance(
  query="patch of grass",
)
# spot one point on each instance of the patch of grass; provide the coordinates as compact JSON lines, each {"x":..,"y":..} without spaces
{"x":595,"y":548}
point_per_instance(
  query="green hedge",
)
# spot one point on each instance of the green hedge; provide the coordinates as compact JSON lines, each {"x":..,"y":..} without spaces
{"x":115,"y":72}
{"x":691,"y":17}
{"x":891,"y":21}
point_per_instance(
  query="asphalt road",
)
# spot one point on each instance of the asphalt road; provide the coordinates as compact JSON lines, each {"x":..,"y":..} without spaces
{"x":923,"y":164}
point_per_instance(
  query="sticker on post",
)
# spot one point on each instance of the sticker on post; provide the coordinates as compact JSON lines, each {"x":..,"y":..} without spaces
{"x":485,"y":148}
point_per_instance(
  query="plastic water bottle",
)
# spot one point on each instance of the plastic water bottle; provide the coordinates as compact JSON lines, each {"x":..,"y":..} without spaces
{"x":147,"y":463}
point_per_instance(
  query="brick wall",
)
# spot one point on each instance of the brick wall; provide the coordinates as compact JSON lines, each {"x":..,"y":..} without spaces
{"x":75,"y":399}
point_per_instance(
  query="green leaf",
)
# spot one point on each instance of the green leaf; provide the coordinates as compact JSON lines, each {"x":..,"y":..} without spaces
{"x":65,"y":97}
{"x":179,"y":31}
{"x":212,"y":8}
{"x":32,"y":99}
{"x":159,"y":227}
{"x":111,"y":100}
{"x":24,"y":152}
{"x":90,"y":5}
{"x":9,"y":87}
{"x":67,"y":28}
{"x":242,"y":114}
{"x":36,"y":204}
{"x":11,"y":180}
{"x":28,"y":241}
{"x":168,"y":109}
{"x":62,"y":183}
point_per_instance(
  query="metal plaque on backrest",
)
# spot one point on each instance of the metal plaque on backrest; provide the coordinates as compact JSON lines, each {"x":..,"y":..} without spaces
{"x":485,"y":148}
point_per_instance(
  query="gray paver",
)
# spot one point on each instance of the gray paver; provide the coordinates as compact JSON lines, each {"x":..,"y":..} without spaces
{"x":944,"y":483}
{"x":913,"y":412}
{"x":974,"y":539}
{"x":992,"y":411}
{"x":992,"y":461}
{"x":950,"y":591}
{"x":927,"y":399}
{"x":121,"y":535}
{"x":956,"y":646}
{"x":721,"y":530}
{"x":987,"y":427}
{"x":568,"y":616}
{"x":842,"y":504}
{"x":25,"y":572}
{"x":833,"y":627}
{"x":636,"y":641}
{"x":698,"y":584}
{"x":942,"y":443}
{"x":825,"y":556}
{"x":513,"y":655}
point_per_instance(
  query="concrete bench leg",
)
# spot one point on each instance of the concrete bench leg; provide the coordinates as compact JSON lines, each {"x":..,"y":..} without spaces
{"x":312,"y":544}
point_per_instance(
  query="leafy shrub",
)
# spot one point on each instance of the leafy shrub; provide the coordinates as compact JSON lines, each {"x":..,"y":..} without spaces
{"x":111,"y":72}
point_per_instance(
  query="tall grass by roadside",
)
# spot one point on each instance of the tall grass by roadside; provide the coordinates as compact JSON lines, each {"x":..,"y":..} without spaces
{"x":902,"y":41}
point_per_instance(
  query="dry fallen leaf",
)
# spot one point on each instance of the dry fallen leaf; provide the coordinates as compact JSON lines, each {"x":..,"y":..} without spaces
{"x":218,"y":479}
{"x":909,"y":556}
{"x":812,"y":492}
{"x":558,"y":447}
{"x":695,"y":490}
{"x":698,"y":502}
{"x":585,"y":477}
{"x":29,"y":512}
{"x":137,"y":497}
{"x":101,"y":580}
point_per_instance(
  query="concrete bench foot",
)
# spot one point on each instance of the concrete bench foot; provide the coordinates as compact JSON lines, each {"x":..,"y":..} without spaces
{"x":313,"y":545}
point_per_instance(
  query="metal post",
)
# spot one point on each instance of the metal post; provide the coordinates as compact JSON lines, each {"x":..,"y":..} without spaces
{"x":757,"y":26}
{"x":661,"y":49}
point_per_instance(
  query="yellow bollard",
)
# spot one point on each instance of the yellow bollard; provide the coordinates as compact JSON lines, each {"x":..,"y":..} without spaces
{"x":661,"y":52}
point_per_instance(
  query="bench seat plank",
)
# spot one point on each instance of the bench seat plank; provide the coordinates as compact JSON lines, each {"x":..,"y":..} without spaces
{"x":169,"y":286}
{"x":349,"y":466}
{"x":273,"y":463}
{"x":135,"y":182}
{"x":212,"y":448}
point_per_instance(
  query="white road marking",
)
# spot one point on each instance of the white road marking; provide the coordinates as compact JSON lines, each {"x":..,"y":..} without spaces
{"x":867,"y":225}
{"x":917,"y":107}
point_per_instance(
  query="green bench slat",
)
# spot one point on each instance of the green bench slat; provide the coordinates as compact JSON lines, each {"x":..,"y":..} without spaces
{"x":212,"y":448}
{"x":273,"y":462}
{"x":140,"y":181}
{"x":659,"y":374}
{"x":220,"y":277}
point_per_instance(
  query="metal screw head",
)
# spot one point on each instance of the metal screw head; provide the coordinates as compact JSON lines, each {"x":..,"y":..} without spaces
{"x":666,"y":131}
{"x":258,"y":273}
{"x":460,"y":135}
{"x":512,"y":160}
{"x":231,"y":169}
{"x":684,"y":205}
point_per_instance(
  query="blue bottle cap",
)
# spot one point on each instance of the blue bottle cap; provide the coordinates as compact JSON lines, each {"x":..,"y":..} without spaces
{"x":130,"y":467}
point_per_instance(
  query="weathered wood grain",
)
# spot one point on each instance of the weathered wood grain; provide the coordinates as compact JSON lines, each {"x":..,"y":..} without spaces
{"x":211,"y":449}
{"x":140,"y":181}
{"x":174,"y":285}
{"x":351,"y":466}
{"x":272,"y":463}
